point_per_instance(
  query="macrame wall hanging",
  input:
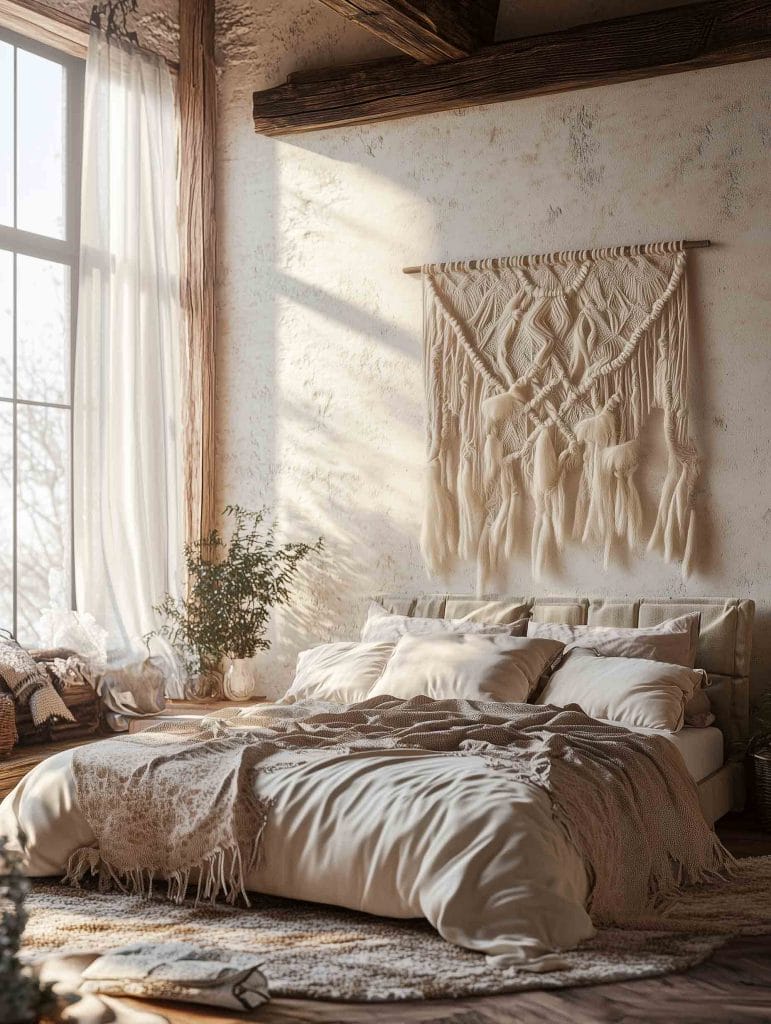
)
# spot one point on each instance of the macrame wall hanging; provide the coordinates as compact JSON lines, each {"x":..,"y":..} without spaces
{"x":540,"y":371}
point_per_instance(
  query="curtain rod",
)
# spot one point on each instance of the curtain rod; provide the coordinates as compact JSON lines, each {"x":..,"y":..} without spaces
{"x":38,"y":13}
{"x":621,"y":250}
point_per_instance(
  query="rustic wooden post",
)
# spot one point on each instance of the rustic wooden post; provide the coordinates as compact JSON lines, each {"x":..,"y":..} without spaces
{"x":197,"y":101}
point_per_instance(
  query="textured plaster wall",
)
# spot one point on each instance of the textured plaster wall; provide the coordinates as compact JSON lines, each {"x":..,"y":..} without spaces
{"x":156,"y":22}
{"x":319,"y":391}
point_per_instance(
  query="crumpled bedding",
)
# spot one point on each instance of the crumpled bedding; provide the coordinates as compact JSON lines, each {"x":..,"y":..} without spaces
{"x":438,"y":814}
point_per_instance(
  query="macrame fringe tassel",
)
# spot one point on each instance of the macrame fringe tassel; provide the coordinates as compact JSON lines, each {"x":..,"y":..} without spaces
{"x":619,"y":463}
{"x":549,"y":498}
{"x":470,"y":510}
{"x":687,"y":567}
{"x":503,"y":534}
{"x":492,"y":458}
{"x":439,"y":536}
{"x":673,"y":533}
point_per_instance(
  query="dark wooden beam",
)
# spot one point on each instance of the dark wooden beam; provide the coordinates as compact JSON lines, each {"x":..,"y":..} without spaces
{"x":642,"y":46}
{"x":428,"y":30}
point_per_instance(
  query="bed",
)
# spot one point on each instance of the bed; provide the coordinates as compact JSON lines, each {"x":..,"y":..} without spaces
{"x":508,"y":854}
{"x":724,"y":652}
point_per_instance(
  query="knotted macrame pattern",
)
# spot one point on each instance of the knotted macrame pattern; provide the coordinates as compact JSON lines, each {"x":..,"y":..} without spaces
{"x":540,"y":368}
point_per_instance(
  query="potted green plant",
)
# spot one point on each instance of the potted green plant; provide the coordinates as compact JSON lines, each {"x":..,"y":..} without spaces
{"x":759,"y":751}
{"x":233,"y":584}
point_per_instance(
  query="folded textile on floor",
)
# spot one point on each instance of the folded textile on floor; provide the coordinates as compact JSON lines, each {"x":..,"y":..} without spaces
{"x":178,"y":971}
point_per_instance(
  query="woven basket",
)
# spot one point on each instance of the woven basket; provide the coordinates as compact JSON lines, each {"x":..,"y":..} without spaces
{"x":8,"y":734}
{"x":762,"y":761}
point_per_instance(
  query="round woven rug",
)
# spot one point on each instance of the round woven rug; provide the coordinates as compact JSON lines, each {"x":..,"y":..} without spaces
{"x":309,"y":951}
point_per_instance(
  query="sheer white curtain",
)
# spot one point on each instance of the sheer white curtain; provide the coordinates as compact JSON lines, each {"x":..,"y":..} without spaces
{"x":127,"y":420}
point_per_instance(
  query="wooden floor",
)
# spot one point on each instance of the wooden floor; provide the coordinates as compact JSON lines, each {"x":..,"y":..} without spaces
{"x":22,"y":760}
{"x":732,"y":987}
{"x":743,"y":836}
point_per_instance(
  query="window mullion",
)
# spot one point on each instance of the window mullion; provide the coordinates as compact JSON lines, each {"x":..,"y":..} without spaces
{"x":14,"y":456}
{"x":75,"y":103}
{"x":56,"y":250}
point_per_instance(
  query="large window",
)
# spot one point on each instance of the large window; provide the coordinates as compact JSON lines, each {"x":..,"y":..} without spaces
{"x":41,"y":111}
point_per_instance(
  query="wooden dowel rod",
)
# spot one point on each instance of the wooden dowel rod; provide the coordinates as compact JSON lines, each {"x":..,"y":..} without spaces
{"x":623,"y":250}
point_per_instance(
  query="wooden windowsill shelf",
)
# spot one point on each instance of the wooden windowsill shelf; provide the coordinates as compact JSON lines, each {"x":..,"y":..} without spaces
{"x":23,"y":759}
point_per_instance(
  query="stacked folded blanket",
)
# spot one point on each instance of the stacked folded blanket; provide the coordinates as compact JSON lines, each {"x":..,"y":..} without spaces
{"x":51,"y":695}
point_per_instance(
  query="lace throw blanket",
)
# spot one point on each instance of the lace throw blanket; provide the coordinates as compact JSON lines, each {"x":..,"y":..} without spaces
{"x":170,"y":804}
{"x":165,"y":804}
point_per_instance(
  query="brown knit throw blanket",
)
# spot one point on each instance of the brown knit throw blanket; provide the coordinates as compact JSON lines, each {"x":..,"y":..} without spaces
{"x":161,"y":804}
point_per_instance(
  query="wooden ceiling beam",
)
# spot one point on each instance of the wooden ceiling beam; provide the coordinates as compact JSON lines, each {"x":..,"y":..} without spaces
{"x":698,"y":35}
{"x":428,"y":30}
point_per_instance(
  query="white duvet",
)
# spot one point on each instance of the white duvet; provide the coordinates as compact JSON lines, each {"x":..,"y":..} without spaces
{"x":397,"y":833}
{"x":498,"y":823}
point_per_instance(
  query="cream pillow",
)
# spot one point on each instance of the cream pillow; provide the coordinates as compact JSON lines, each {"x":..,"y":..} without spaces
{"x":466,"y":666}
{"x":630,"y":691}
{"x":342,"y":673}
{"x":673,"y":642}
{"x":382,"y":626}
{"x":669,"y":648}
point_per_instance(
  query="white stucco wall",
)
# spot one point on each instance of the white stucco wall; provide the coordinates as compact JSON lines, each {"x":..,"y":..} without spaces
{"x":156,"y":22}
{"x":319,"y":386}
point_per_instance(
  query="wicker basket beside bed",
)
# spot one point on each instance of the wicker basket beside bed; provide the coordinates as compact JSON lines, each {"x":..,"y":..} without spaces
{"x":8,"y":735}
{"x":761,"y":760}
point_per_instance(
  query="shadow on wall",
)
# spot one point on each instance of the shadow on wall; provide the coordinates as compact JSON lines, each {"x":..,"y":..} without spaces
{"x":326,"y":304}
{"x":333,"y":589}
{"x":246,"y":371}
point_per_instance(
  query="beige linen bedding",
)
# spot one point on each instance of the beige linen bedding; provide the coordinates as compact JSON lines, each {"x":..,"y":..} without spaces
{"x":674,"y":641}
{"x":468,"y":666}
{"x":339,"y":673}
{"x":630,"y":691}
{"x":509,"y":827}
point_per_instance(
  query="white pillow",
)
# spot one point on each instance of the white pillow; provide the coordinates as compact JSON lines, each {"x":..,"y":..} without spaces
{"x":631,"y":691}
{"x":470,"y":666}
{"x":382,"y":626}
{"x":673,"y":642}
{"x":341,"y":672}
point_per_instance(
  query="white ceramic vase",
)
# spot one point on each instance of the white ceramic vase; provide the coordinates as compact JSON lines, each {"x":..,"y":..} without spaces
{"x":241,"y":678}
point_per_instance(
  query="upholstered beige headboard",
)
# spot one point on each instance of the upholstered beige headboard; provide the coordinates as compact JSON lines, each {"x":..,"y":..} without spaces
{"x":725,"y":639}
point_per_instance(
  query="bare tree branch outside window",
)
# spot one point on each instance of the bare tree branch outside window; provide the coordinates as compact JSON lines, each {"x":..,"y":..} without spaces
{"x":40,"y":129}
